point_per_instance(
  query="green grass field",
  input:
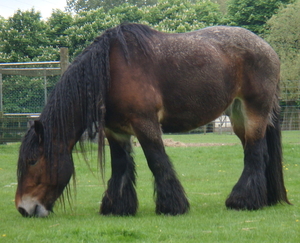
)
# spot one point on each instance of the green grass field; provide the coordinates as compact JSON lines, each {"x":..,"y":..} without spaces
{"x":208,"y":175}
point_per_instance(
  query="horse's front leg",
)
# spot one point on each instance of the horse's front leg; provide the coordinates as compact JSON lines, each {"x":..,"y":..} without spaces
{"x":170,"y":195}
{"x":120,"y":197}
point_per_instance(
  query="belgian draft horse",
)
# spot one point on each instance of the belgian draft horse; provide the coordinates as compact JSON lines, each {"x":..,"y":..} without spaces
{"x":133,"y":80}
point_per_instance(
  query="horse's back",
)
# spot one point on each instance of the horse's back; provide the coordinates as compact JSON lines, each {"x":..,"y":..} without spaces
{"x":213,"y":42}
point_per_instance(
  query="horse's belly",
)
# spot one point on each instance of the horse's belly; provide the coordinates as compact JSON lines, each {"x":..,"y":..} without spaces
{"x":186,"y":120}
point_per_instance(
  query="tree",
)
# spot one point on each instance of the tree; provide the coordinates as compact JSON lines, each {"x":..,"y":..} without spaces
{"x":223,"y":5}
{"x":170,"y":16}
{"x":127,"y":13}
{"x":59,"y":22}
{"x":86,"y":26}
{"x":284,"y":36}
{"x":23,"y":36}
{"x":86,"y":5}
{"x":182,"y":15}
{"x":252,"y":14}
{"x":2,"y":40}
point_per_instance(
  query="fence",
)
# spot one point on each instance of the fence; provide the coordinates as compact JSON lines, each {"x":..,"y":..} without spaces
{"x":24,"y":91}
{"x":290,"y":112}
{"x":24,"y":88}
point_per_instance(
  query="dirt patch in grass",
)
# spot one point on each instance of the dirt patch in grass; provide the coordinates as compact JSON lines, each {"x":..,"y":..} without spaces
{"x":171,"y":143}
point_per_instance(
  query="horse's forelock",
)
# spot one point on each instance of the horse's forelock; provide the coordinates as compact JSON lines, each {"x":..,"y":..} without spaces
{"x":27,"y":148}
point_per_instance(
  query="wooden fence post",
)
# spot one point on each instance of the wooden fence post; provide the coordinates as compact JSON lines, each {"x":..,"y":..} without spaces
{"x":1,"y":93}
{"x":45,"y":87}
{"x":64,"y":59}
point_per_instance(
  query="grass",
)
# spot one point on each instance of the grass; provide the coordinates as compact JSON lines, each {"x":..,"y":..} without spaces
{"x":207,"y":173}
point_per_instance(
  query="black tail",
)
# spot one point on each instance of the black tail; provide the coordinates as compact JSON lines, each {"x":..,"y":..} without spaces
{"x":274,"y":170}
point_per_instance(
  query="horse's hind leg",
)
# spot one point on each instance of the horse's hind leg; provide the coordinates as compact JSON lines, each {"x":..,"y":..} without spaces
{"x":250,"y":192}
{"x":120,"y":197}
{"x":170,"y":195}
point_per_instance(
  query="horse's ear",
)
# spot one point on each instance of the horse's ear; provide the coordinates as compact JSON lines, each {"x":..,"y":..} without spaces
{"x":39,"y":130}
{"x":31,"y":123}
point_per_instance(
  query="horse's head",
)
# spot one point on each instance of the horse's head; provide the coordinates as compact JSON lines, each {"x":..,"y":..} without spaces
{"x":44,"y":170}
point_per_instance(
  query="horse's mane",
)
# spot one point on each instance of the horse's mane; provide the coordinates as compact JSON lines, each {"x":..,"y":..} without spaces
{"x":82,"y":88}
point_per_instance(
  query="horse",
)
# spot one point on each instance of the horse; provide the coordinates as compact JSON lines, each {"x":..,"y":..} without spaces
{"x":135,"y":81}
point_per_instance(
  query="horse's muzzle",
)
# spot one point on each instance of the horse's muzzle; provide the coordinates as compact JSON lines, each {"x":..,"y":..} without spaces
{"x":30,"y":207}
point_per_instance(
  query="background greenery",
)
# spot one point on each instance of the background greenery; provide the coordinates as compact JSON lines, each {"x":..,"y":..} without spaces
{"x":27,"y":37}
{"x":208,"y":175}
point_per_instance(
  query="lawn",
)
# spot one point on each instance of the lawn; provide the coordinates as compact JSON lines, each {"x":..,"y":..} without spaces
{"x":208,"y":175}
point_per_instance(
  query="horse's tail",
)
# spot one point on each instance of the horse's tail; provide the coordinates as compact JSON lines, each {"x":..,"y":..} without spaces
{"x":274,"y":170}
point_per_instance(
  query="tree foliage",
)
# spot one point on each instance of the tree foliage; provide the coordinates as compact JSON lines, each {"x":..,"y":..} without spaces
{"x":26,"y":37}
{"x":23,"y":36}
{"x":284,"y":31}
{"x":182,"y":15}
{"x":170,"y":16}
{"x":284,"y":36}
{"x":58,"y":24}
{"x":86,"y":26}
{"x":86,"y":5}
{"x":253,"y":14}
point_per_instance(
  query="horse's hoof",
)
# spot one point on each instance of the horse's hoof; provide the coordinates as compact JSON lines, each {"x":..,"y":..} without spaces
{"x":242,"y":204}
{"x":177,"y":209}
{"x":119,"y":206}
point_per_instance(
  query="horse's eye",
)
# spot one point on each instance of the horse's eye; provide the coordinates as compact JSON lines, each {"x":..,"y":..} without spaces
{"x":32,"y":162}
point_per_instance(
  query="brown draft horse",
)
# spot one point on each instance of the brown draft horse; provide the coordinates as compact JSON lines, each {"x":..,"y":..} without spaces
{"x":133,"y":80}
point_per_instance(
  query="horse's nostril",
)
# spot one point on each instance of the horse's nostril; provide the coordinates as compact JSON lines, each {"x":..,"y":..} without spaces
{"x":23,"y":212}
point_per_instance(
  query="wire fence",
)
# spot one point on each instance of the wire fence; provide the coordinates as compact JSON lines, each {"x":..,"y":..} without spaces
{"x":23,"y":96}
{"x":24,"y":89}
{"x":22,"y":99}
